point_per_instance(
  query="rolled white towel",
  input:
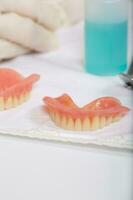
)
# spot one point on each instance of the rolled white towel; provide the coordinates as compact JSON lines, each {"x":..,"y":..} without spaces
{"x":26,"y":33}
{"x":74,"y":9}
{"x":30,"y":25}
{"x":10,"y":50}
{"x":49,"y":13}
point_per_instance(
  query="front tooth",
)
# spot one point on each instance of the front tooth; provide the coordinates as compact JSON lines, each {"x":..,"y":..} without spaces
{"x":9,"y":103}
{"x":57,"y":119}
{"x":21,"y":99}
{"x":64,"y":122}
{"x":2,"y":103}
{"x":15,"y":102}
{"x":95,"y":123}
{"x":78,"y":125}
{"x":102,"y":122}
{"x":70,"y":124}
{"x":86,"y":124}
{"x":52,"y":115}
{"x":109,"y":120}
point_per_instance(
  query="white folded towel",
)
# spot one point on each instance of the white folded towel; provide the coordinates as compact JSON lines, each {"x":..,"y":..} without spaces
{"x":30,"y":25}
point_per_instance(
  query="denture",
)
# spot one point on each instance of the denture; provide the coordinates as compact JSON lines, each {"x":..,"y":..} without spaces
{"x":14,"y":88}
{"x":95,"y":115}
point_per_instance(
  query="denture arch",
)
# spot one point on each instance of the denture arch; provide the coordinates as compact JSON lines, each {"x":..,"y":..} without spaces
{"x":14,"y":88}
{"x":93,"y":116}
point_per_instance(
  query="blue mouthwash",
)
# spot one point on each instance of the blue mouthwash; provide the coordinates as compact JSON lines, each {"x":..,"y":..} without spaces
{"x":106,"y":33}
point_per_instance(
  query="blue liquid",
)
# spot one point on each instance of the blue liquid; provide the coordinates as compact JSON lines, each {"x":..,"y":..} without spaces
{"x":106,"y":48}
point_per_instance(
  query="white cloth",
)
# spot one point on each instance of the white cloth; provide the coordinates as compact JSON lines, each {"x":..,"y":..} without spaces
{"x":62,"y":72}
{"x":26,"y":33}
{"x":74,"y":9}
{"x":46,"y":12}
{"x":29,"y":25}
{"x":11,"y":50}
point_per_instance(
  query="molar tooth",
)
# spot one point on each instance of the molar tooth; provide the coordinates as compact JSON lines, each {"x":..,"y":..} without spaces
{"x":86,"y":124}
{"x":95,"y":123}
{"x":64,"y":122}
{"x":78,"y":125}
{"x":8,"y":103}
{"x":116,"y":118}
{"x":27,"y":96}
{"x":70,"y":124}
{"x":102,"y":122}
{"x":109,"y":120}
{"x":57,"y":118}
{"x":2,"y":103}
{"x":52,"y":115}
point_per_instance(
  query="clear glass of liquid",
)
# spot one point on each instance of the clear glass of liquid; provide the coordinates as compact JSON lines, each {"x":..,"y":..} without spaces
{"x":106,"y":36}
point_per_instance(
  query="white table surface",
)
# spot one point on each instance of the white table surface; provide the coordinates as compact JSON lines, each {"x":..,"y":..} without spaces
{"x":39,"y":170}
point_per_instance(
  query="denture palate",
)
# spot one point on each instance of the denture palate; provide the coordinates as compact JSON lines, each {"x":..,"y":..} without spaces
{"x":14,"y":88}
{"x":95,"y":115}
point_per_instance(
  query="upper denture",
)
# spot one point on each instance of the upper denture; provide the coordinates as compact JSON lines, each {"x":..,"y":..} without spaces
{"x":101,"y":111}
{"x":101,"y":106}
{"x":14,"y":88}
